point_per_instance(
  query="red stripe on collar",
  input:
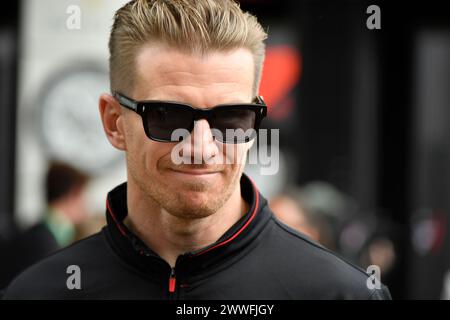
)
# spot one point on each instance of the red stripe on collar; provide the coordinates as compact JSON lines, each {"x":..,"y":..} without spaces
{"x":113,"y":216}
{"x":255,"y":210}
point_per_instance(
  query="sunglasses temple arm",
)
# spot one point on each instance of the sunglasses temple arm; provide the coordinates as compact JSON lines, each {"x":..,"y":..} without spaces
{"x":126,"y":102}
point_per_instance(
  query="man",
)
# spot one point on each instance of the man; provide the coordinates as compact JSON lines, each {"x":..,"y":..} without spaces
{"x":177,"y":229}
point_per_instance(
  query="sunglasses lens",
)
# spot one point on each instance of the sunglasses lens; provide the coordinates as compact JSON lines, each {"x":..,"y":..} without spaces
{"x":235,"y":124}
{"x":230,"y":124}
{"x":164,"y":118}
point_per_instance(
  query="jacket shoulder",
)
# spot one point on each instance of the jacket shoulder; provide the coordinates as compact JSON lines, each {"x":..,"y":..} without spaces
{"x":326,"y":275}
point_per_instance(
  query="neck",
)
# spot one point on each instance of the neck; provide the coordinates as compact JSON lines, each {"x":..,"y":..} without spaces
{"x":168,"y":235}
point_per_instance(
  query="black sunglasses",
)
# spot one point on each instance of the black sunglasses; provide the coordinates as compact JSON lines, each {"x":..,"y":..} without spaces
{"x":230,"y":123}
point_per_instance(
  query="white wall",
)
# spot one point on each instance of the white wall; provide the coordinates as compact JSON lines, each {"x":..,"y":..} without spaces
{"x":47,"y":46}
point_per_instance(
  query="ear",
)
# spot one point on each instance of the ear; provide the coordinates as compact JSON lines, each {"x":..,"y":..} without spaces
{"x":112,"y":117}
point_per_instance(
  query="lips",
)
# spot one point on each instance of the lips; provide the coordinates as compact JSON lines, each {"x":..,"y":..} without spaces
{"x":196,"y":170}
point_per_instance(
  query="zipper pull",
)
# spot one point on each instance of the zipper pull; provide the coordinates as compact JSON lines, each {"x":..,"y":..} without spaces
{"x":172,"y":281}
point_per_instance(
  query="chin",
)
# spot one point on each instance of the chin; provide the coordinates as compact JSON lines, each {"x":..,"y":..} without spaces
{"x":195,"y":204}
{"x":192,"y":210}
{"x":196,"y":199}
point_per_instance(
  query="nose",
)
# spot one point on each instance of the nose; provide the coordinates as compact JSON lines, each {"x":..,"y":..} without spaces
{"x":202,"y":145}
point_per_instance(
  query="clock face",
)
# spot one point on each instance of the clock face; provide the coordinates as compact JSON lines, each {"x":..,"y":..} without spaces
{"x":70,"y":120}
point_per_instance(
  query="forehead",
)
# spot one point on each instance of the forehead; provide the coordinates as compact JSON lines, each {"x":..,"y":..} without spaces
{"x":217,"y":77}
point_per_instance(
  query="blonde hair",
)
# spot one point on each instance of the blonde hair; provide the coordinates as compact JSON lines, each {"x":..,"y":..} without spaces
{"x":192,"y":26}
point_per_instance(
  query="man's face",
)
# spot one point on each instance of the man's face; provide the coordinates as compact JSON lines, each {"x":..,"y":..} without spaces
{"x":186,"y":190}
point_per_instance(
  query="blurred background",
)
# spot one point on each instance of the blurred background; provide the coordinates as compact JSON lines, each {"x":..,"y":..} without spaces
{"x":364,"y":161}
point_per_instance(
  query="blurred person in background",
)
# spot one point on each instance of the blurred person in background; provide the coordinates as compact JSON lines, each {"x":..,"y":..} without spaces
{"x":316,"y":209}
{"x":379,"y":248}
{"x":292,"y":214}
{"x":66,"y":210}
{"x":290,"y":211}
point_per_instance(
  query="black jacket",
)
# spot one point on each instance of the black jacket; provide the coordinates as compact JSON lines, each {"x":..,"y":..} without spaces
{"x":257,"y":258}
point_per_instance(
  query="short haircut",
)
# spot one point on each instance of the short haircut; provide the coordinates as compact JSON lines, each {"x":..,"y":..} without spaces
{"x":191,"y":26}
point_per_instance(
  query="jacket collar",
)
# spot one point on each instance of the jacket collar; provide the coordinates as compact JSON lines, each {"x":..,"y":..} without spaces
{"x":231,"y":245}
